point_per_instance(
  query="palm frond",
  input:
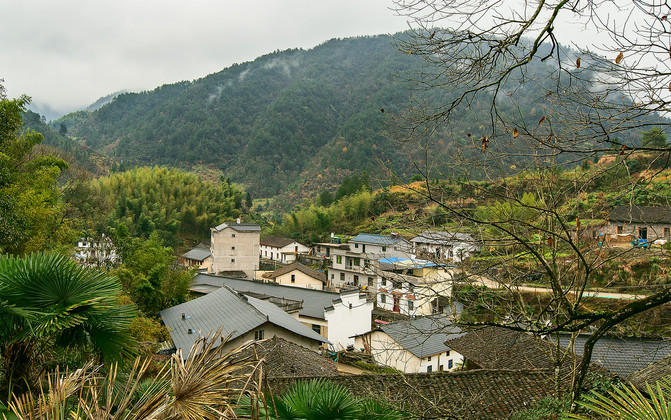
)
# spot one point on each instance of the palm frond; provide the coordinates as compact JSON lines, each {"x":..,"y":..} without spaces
{"x":626,"y":402}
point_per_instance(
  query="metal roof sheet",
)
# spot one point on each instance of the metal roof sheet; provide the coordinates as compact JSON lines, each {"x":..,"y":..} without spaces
{"x":369,"y":238}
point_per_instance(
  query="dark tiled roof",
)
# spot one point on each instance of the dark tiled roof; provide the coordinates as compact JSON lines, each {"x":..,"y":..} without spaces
{"x":300,"y":267}
{"x":424,"y":336}
{"x":240,"y":227}
{"x":198,"y":253}
{"x":498,"y":348}
{"x":623,"y":356}
{"x":277,"y":242}
{"x":642,"y":214}
{"x":652,"y":373}
{"x":283,"y":358}
{"x":226,"y":309}
{"x":314,"y":301}
{"x":475,"y":394}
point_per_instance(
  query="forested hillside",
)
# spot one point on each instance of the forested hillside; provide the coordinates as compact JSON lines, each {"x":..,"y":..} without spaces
{"x":294,"y":122}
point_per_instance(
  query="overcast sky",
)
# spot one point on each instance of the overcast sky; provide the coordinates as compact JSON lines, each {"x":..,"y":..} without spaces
{"x":68,"y":53}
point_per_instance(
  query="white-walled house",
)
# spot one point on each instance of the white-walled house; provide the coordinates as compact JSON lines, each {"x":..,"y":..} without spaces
{"x":349,"y":315}
{"x":351,"y":267}
{"x":284,"y":250}
{"x":414,"y":287}
{"x":97,"y":252}
{"x":199,"y":256}
{"x":313,"y":305}
{"x":241,"y":318}
{"x":444,"y":246}
{"x":235,"y":248}
{"x":413,"y":346}
{"x":298,"y":275}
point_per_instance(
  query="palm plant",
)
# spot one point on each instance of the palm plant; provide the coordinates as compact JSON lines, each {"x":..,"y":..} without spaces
{"x":204,"y":386}
{"x":626,"y":402}
{"x":319,"y":399}
{"x":48,"y":302}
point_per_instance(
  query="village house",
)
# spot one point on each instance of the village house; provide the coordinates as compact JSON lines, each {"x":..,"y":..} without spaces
{"x":235,"y":248}
{"x":317,"y":309}
{"x":199,"y":257}
{"x":242,"y":317}
{"x":413,"y":287}
{"x":442,"y":246}
{"x":325,"y":249}
{"x":649,"y":223}
{"x":414,"y":345}
{"x":298,"y":275}
{"x":283,"y":250}
{"x":351,"y":267}
{"x":97,"y":252}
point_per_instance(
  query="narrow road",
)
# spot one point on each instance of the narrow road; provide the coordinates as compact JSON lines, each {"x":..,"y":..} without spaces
{"x":489,"y":283}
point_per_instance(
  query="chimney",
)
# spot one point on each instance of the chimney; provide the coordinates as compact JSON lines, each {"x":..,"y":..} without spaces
{"x":183,"y":316}
{"x":190,"y":331}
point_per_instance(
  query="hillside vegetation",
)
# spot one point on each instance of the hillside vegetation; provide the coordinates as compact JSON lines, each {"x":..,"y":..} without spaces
{"x":291,"y":123}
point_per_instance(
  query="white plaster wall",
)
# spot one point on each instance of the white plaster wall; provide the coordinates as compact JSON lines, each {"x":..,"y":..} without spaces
{"x":343,"y":322}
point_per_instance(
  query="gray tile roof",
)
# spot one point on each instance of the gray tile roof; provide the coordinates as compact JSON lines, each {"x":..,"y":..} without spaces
{"x":225,"y":309}
{"x":198,"y":254}
{"x":652,"y":373}
{"x":423,"y":336}
{"x":441,"y":237}
{"x":640,"y":214}
{"x":623,"y":356}
{"x":314,"y":301}
{"x":368,"y":238}
{"x":276,"y":241}
{"x":240,"y":227}
{"x":300,"y":267}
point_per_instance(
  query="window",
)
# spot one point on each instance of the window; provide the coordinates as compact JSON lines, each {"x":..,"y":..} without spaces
{"x":384,"y":248}
{"x":356,"y":246}
{"x":411,"y":305}
{"x":232,"y":235}
{"x":620,"y":230}
{"x":332,"y":276}
{"x":232,"y":260}
{"x":266,"y":253}
{"x":449,"y":364}
{"x":429,"y":368}
{"x":447,"y":353}
{"x":440,"y":368}
{"x":383,"y":298}
{"x":370,"y":281}
{"x":667,"y":232}
{"x":258,"y":335}
{"x":356,"y":280}
{"x":384,"y":281}
{"x":233,"y":247}
{"x":428,"y":359}
{"x":317,"y":328}
{"x":338,"y":259}
{"x":342,"y":276}
{"x":293,"y":278}
{"x":357,"y":262}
